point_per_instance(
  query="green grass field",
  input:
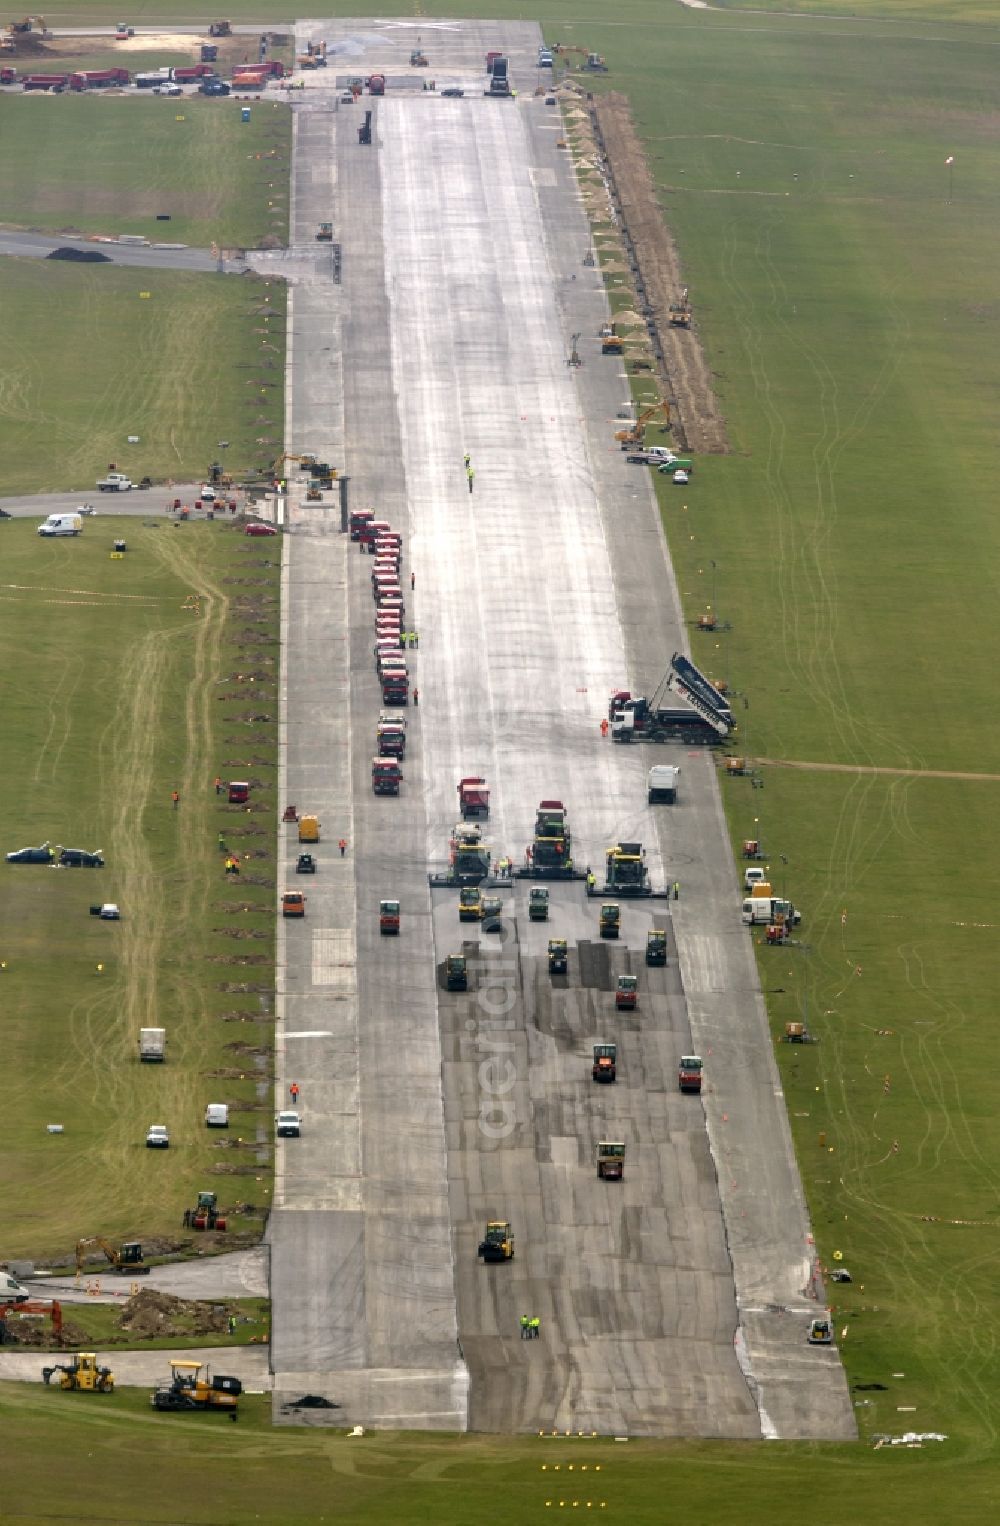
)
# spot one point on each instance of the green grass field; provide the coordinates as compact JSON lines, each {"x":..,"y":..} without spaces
{"x":845,"y":284}
{"x":89,"y":361}
{"x":108,"y":1457}
{"x":110,"y":164}
{"x":122,"y":686}
{"x":97,"y":1326}
{"x":846,"y":287}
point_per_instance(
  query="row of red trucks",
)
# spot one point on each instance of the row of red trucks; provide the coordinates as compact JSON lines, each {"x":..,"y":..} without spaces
{"x":385,"y":546}
{"x":245,"y":77}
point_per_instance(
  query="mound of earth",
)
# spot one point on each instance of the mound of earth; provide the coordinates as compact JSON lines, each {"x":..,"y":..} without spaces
{"x":149,"y":1314}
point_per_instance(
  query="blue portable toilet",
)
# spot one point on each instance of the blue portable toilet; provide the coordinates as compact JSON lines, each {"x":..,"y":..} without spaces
{"x":244,"y":113}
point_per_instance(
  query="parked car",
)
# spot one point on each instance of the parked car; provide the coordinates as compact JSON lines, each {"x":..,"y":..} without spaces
{"x":453,"y":91}
{"x":169,"y":89}
{"x":680,"y":477}
{"x":347,"y":98}
{"x":42,"y":855}
{"x":258,"y":527}
{"x":289,"y":1125}
{"x":79,"y":858}
{"x":208,"y":494}
{"x":157,"y":1137}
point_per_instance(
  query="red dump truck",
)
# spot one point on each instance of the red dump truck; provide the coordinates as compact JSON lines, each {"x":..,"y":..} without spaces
{"x":99,"y":79}
{"x":473,"y":798}
{"x":386,"y":776}
{"x":268,"y":68}
{"x":395,"y":688}
{"x":193,"y":74}
{"x":53,"y":82}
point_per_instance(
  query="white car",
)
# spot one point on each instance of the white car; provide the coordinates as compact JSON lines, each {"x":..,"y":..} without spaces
{"x":207,"y":493}
{"x":87,"y":509}
{"x":680,"y":477}
{"x":169,"y":89}
{"x":157,"y":1137}
{"x":289,"y":1125}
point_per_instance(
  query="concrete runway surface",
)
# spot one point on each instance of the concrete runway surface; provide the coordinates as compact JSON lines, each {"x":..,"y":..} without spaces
{"x":676,"y":1302}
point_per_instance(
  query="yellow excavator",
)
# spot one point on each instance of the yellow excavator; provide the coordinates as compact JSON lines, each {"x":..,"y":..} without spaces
{"x":125,"y":1259}
{"x":635,"y":435}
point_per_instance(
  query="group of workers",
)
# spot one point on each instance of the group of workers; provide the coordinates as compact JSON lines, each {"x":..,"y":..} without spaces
{"x":530,"y":1327}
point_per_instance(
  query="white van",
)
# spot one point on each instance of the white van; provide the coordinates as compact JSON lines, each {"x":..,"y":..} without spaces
{"x":217,"y":1115}
{"x":61,"y":524}
{"x":11,"y":1290}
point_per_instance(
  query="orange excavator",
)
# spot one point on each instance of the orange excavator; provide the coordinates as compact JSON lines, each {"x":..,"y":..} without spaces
{"x":30,"y":1306}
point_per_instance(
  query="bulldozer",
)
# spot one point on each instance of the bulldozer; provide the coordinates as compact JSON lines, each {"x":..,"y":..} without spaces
{"x":498,"y":1243}
{"x":82,"y":1374}
{"x":125,"y":1259}
{"x":418,"y":59}
{"x":188,"y":1390}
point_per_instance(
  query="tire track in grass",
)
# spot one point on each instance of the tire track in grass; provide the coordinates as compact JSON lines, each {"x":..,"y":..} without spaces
{"x":912,"y":1271}
{"x":58,"y":701}
{"x":150,"y":986}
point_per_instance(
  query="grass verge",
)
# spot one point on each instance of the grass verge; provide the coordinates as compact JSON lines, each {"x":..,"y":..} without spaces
{"x":213,"y":1472}
{"x":129,"y":679}
{"x":107,"y":164}
{"x":89,"y":360}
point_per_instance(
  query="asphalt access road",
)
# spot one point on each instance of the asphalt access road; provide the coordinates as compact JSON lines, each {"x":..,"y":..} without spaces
{"x":40,"y":246}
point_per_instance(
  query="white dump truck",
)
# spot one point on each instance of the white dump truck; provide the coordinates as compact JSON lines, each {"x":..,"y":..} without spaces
{"x":663,"y":778}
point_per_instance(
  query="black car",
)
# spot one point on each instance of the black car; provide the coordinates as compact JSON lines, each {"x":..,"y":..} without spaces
{"x":42,"y":855}
{"x":6,"y":514}
{"x":306,"y":864}
{"x":454,"y":92}
{"x":79,"y":858}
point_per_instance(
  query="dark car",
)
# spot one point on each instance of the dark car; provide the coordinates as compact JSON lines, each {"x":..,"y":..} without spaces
{"x":6,"y":514}
{"x":79,"y":858}
{"x":453,"y":91}
{"x":306,"y":864}
{"x":42,"y":855}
